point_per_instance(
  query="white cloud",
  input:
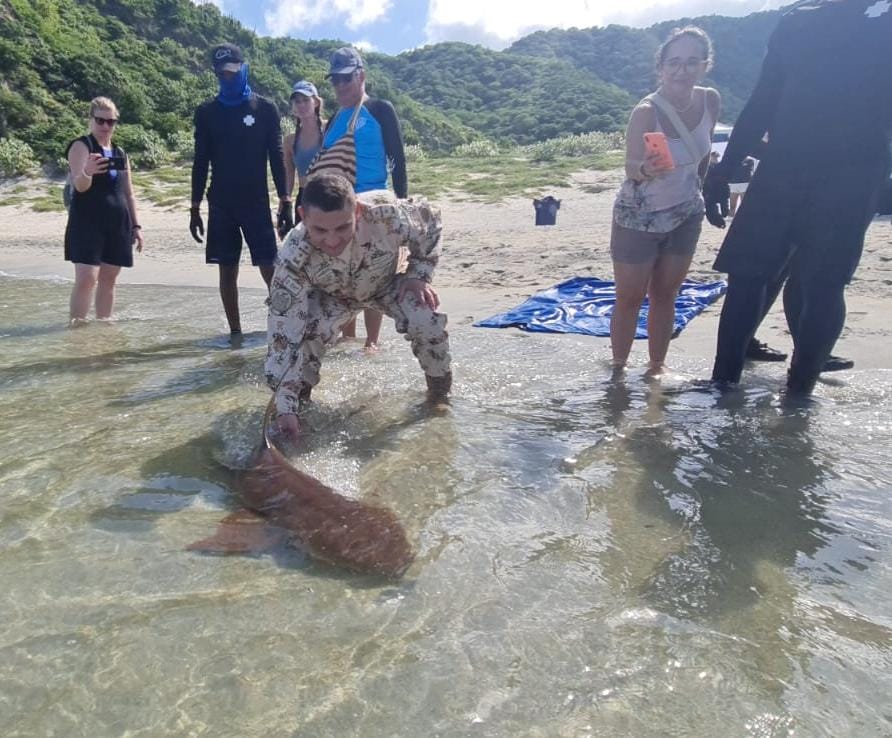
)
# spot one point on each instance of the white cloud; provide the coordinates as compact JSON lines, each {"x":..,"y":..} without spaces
{"x":295,"y":16}
{"x":496,"y":23}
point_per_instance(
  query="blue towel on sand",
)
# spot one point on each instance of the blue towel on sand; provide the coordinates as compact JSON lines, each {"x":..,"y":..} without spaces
{"x":585,"y":304}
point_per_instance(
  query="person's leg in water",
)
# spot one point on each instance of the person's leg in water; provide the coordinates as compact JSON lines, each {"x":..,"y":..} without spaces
{"x":816,"y":318}
{"x":426,"y":330}
{"x":223,"y":247}
{"x":105,"y":290}
{"x":373,"y":320}
{"x":668,"y":274}
{"x":634,"y":255}
{"x":85,"y":278}
{"x":757,"y":350}
{"x":256,"y":226}
{"x":631,"y":287}
{"x":741,"y":314}
{"x":792,"y":309}
{"x":349,"y":329}
{"x":229,"y":296}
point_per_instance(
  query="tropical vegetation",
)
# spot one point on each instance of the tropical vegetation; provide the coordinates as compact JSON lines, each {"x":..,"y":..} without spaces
{"x":151,"y":57}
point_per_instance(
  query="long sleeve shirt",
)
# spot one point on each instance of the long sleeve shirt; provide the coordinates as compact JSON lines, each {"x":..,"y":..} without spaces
{"x":824,"y":94}
{"x":379,"y":146}
{"x":361,"y":275}
{"x":236,"y":143}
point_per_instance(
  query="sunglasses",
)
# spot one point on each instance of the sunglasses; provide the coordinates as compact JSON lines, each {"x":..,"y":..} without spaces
{"x":342,"y":79}
{"x":110,"y":122}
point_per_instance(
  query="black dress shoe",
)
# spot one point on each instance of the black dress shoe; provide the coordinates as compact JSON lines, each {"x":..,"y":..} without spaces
{"x":758,"y":351}
{"x":837,"y":364}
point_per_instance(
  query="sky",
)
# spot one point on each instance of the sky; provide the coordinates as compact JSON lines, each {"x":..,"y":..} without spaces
{"x":393,"y":26}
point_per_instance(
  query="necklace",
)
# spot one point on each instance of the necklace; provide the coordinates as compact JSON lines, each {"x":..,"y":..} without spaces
{"x":686,"y":108}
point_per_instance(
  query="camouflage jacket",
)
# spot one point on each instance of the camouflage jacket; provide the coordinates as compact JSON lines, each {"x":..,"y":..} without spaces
{"x":385,"y":225}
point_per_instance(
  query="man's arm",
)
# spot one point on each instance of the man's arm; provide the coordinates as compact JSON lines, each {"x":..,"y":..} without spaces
{"x":757,"y":114}
{"x":201,"y":160}
{"x":420,"y":228}
{"x":394,"y":150}
{"x":286,"y":325}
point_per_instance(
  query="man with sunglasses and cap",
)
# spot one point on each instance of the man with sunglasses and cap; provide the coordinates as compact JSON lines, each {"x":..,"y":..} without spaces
{"x":236,"y":134}
{"x":379,"y":145}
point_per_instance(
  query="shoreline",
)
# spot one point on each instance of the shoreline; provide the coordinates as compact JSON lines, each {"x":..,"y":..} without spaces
{"x":494,"y":257}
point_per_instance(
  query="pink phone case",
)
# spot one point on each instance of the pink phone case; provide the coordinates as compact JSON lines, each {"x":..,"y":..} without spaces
{"x":655,"y":142}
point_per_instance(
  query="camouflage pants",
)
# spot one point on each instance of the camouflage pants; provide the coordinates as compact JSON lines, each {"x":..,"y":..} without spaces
{"x":425,"y":329}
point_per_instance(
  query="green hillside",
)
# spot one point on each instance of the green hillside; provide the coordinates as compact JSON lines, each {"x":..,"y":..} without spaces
{"x":625,"y":57}
{"x":507,"y":96}
{"x":150,"y":56}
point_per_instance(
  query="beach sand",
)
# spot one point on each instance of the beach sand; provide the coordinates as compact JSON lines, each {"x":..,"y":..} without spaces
{"x":493,"y":257}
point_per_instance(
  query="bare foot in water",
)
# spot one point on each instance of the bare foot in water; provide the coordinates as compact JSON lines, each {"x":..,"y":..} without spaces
{"x":617,"y":369}
{"x":371,"y":348}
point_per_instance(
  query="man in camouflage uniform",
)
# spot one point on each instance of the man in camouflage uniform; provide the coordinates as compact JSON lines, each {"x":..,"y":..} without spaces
{"x":343,"y":257}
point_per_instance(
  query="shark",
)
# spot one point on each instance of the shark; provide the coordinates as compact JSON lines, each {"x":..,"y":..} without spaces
{"x":286,"y":506}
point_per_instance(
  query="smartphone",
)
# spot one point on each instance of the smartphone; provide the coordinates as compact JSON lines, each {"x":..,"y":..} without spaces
{"x":117,"y":162}
{"x":655,"y":143}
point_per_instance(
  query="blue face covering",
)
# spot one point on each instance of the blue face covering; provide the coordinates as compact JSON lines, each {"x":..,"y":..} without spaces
{"x":235,"y":91}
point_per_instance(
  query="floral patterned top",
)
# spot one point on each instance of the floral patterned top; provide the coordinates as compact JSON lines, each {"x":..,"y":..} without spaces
{"x":662,"y":204}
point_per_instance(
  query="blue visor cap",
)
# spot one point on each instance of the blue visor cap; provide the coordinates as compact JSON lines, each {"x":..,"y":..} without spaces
{"x":304,"y":88}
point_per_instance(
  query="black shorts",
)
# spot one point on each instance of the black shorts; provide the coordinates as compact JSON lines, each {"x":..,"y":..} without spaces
{"x":99,"y":240}
{"x":821,"y":219}
{"x":224,"y":238}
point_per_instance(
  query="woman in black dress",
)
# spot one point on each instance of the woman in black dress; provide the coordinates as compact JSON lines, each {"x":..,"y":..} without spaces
{"x":102,"y":222}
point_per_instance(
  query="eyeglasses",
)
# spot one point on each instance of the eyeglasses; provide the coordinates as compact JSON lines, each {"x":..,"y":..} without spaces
{"x":690,"y":65}
{"x":110,"y":122}
{"x":342,"y":79}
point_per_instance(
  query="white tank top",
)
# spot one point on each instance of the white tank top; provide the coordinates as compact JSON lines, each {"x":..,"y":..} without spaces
{"x":682,"y":184}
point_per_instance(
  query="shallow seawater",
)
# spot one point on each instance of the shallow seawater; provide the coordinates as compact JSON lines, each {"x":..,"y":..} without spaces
{"x":594,"y":557}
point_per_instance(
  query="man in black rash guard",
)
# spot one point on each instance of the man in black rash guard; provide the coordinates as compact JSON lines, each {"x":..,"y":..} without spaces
{"x":824,"y":97}
{"x":236,"y":133}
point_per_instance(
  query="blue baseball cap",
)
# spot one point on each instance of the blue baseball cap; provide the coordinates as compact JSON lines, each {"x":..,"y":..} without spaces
{"x":304,"y":88}
{"x":344,"y":61}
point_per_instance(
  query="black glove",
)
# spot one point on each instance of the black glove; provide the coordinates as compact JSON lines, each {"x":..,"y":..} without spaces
{"x":716,"y":195}
{"x":285,"y":220}
{"x":196,"y":224}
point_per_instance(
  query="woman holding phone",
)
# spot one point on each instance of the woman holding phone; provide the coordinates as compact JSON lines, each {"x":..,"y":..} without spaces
{"x":659,"y":209}
{"x":102,"y":222}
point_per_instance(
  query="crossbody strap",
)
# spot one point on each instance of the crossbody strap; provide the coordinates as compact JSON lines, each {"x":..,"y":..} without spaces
{"x":351,"y":126}
{"x":667,"y":109}
{"x":340,"y":157}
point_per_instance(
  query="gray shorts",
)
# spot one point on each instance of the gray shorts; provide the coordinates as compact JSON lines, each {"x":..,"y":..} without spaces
{"x":628,"y":246}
